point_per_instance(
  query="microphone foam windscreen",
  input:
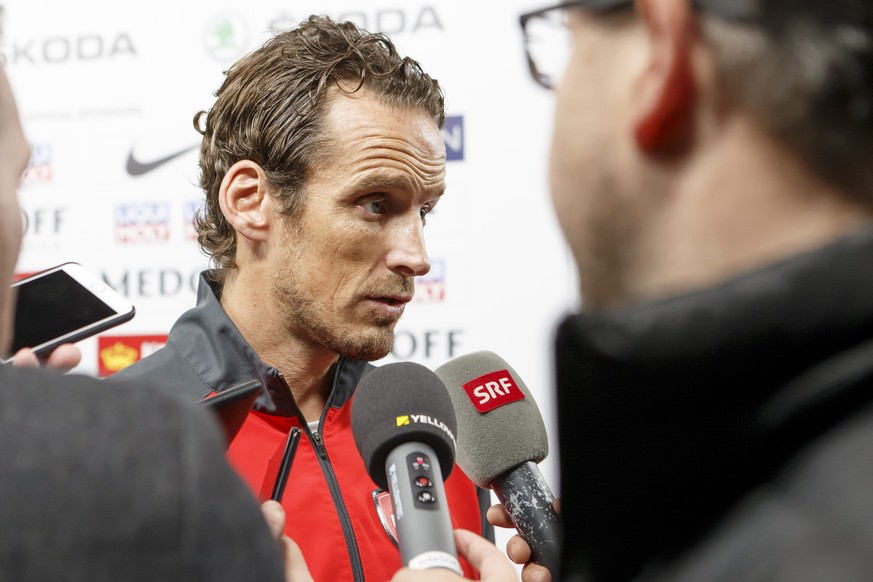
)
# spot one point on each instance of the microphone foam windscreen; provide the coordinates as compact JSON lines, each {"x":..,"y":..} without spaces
{"x":400,"y":403}
{"x":499,"y":423}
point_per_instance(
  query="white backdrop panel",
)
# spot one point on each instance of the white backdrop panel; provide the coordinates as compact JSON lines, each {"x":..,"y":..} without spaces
{"x":99,"y":81}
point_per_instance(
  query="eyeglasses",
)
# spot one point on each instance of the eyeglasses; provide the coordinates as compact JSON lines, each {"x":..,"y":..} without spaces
{"x":548,"y":42}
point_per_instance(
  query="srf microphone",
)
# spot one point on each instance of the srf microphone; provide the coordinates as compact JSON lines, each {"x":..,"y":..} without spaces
{"x":404,"y":427}
{"x":501,"y":438}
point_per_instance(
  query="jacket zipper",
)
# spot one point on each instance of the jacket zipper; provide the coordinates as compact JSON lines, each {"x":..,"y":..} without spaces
{"x":342,"y":512}
{"x":333,"y":485}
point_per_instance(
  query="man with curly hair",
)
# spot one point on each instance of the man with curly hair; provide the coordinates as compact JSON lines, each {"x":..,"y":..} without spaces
{"x":321,"y":159}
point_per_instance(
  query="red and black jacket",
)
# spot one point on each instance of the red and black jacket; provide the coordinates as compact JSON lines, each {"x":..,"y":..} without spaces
{"x":331,"y":503}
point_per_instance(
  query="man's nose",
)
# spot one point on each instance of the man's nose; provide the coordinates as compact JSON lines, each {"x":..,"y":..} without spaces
{"x":407,"y":255}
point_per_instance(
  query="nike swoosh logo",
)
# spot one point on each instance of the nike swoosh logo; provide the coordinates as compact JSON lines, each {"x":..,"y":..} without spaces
{"x":138,"y":168}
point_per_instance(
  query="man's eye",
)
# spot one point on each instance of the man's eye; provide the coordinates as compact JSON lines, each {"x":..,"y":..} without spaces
{"x":375,"y":206}
{"x":425,"y":210}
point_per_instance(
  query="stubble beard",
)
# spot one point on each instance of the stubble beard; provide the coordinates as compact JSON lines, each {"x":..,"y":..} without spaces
{"x":368,"y":341}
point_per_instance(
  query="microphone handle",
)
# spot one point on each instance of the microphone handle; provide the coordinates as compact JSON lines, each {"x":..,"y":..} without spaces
{"x":530,"y":504}
{"x":424,"y":529}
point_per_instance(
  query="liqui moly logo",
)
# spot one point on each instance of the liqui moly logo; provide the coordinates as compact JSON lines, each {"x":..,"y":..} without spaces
{"x":147,"y":222}
{"x":493,"y":390}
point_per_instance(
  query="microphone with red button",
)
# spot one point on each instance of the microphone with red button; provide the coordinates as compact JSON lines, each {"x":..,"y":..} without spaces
{"x":404,"y":427}
{"x":501,"y":438}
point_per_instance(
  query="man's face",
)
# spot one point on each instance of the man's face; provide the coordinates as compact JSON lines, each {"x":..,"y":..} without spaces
{"x":592,"y":161}
{"x":346,"y":263}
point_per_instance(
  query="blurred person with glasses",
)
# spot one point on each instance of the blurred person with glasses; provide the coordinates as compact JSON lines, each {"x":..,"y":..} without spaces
{"x":711,"y":171}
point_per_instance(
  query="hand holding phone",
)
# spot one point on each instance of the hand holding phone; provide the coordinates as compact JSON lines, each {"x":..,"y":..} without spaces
{"x":64,"y":304}
{"x":63,"y":358}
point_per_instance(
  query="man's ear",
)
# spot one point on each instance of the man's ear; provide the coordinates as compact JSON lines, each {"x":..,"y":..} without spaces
{"x":244,"y":200}
{"x":666,"y":88}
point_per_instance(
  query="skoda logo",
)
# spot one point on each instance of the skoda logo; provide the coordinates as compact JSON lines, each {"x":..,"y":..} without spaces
{"x":226,"y":37}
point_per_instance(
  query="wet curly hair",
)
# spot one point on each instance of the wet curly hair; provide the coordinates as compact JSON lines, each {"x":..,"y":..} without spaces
{"x":271,"y":106}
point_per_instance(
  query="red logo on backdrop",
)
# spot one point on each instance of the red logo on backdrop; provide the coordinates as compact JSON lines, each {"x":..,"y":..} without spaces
{"x":431,"y":288}
{"x":119,"y":351}
{"x":493,"y":390}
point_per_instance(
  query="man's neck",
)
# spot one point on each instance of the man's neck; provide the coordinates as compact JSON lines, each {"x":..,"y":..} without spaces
{"x":307,"y":368}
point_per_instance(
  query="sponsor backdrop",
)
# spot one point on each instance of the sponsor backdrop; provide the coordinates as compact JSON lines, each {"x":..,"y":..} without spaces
{"x":108,"y":91}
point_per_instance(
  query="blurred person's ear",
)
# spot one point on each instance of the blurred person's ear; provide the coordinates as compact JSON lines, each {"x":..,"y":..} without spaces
{"x":666,"y":89}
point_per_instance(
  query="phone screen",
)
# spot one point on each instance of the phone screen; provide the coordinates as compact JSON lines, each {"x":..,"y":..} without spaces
{"x":52,"y":306}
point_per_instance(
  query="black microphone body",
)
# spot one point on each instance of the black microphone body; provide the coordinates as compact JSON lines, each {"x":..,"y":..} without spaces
{"x":404,"y":425}
{"x":501,"y":437}
{"x":530,"y":504}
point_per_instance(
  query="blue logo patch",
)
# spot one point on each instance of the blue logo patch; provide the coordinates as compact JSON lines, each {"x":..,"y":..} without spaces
{"x":453,"y":135}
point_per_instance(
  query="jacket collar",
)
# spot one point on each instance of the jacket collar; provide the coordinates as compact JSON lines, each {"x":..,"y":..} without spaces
{"x":670,"y":411}
{"x":213,"y":347}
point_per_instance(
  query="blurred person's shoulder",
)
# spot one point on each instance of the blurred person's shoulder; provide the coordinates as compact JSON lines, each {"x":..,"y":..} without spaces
{"x":812,"y":521}
{"x":117,"y":482}
{"x":46,"y":390}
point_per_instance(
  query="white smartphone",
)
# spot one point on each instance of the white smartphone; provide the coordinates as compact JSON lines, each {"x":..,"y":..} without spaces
{"x":61,"y":305}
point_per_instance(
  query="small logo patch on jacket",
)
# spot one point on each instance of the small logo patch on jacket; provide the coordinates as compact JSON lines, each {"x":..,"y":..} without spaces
{"x":385,"y":511}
